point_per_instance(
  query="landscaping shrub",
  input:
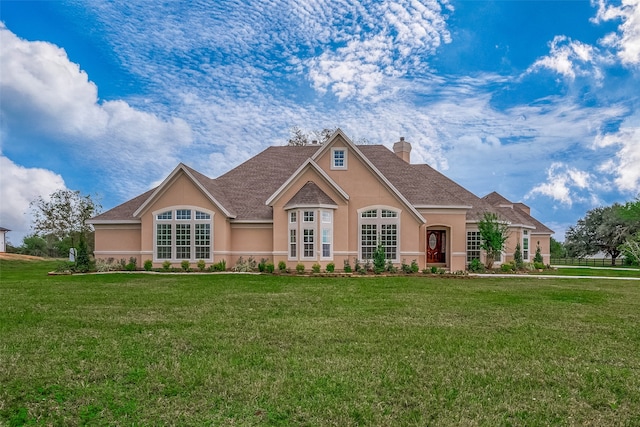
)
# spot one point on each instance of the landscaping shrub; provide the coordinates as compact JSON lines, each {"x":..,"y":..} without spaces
{"x":269,"y":267}
{"x":166,"y":266}
{"x":475,"y":266}
{"x":330,"y":267}
{"x":148,"y":265}
{"x":414,"y":266}
{"x":300,"y":268}
{"x":219,"y":266}
{"x":185,"y":265}
{"x":201,"y":265}
{"x":347,"y":266}
{"x":315,"y":267}
{"x":243,"y":265}
{"x":379,"y":259}
{"x":282,"y":266}
{"x":132,"y":265}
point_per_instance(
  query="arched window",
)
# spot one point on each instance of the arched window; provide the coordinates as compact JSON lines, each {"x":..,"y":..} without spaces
{"x":379,"y":225}
{"x":183,"y":233}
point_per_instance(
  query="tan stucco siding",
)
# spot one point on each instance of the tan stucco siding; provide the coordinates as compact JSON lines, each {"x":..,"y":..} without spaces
{"x":251,"y":240}
{"x":117,"y":241}
{"x":454,"y":222}
{"x":183,"y":193}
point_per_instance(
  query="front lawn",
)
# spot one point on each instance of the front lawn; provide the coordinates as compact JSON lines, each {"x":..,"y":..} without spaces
{"x":137,"y":349}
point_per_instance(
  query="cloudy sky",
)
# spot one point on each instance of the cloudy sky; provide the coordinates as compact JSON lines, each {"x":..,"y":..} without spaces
{"x":538,"y":100}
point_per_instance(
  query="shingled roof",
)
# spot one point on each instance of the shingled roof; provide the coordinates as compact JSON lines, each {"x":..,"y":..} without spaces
{"x":242,"y":191}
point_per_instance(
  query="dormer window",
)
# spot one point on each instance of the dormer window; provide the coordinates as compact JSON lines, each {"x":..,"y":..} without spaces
{"x":339,"y":158}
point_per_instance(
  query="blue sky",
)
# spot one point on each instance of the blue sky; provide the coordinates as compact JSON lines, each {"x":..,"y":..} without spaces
{"x":538,"y":100}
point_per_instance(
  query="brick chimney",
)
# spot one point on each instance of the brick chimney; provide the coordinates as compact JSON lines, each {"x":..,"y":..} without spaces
{"x":403,"y":150}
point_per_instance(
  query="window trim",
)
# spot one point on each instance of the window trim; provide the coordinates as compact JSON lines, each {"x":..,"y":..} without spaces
{"x":197,"y":215}
{"x":344,"y":158}
{"x":366,"y":217}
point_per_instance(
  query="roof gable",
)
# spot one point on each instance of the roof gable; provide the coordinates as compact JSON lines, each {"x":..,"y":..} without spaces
{"x":197,"y":180}
{"x":310,"y":195}
{"x":355,"y":150}
{"x":308,"y":164}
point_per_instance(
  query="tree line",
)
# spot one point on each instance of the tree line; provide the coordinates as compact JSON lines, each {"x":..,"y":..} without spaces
{"x":613,"y":230}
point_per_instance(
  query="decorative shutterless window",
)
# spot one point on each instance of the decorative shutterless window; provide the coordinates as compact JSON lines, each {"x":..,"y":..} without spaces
{"x":326,"y":228}
{"x":473,"y":245}
{"x":183,"y":234}
{"x":380,"y":225}
{"x":525,"y":245}
{"x":308,"y":242}
{"x":293,"y":243}
{"x":338,"y":158}
{"x":308,"y":216}
{"x":293,"y":217}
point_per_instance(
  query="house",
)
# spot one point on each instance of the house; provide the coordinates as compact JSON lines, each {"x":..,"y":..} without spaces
{"x":3,"y":239}
{"x":313,"y":204}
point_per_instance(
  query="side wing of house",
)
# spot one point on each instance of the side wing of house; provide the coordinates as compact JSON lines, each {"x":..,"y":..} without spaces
{"x":179,"y":220}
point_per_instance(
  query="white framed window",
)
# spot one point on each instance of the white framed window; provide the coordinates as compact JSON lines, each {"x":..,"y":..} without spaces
{"x":308,"y":243}
{"x":183,"y":234}
{"x":379,"y":225}
{"x":293,"y":243}
{"x":473,"y":245}
{"x":293,"y":217}
{"x":339,"y":158}
{"x":525,"y":245}
{"x":309,"y":216}
{"x":326,"y":234}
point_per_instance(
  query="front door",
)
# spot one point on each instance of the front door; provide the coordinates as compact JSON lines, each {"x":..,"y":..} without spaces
{"x":436,"y":246}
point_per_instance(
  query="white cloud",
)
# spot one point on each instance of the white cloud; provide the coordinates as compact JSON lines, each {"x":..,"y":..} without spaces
{"x":562,"y":182}
{"x":44,"y":91}
{"x":627,"y":39}
{"x":18,"y":187}
{"x":571,"y":59}
{"x":626,"y":166}
{"x":401,"y":35}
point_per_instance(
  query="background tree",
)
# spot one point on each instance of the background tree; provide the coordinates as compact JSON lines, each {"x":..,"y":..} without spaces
{"x":493,"y":234}
{"x":602,"y":229}
{"x":298,"y":137}
{"x":631,"y":249}
{"x":557,"y":249}
{"x":64,"y":216}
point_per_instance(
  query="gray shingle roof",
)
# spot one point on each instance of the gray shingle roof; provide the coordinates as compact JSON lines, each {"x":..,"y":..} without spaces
{"x":243,"y":190}
{"x":310,"y":194}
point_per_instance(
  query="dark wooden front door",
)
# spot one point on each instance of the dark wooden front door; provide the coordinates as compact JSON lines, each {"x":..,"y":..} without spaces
{"x":436,"y":246}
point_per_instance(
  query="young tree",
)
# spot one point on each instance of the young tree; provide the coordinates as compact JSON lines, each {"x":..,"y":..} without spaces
{"x":493,"y":234}
{"x":517,"y":257}
{"x":64,"y":215}
{"x":602,"y":229}
{"x":631,"y":248}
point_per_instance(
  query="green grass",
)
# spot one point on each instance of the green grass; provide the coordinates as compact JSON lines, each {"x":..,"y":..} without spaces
{"x":590,"y":271}
{"x":136,"y":349}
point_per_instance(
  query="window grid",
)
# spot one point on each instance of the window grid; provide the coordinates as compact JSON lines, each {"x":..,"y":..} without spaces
{"x":293,"y":246}
{"x":525,"y":246}
{"x":308,"y":216}
{"x":203,"y":240}
{"x":389,"y":214}
{"x":338,"y":159}
{"x":369,"y":237}
{"x":326,"y":217}
{"x":308,"y":243}
{"x":293,"y":217}
{"x":183,"y":241}
{"x":164,"y":215}
{"x":373,"y":213}
{"x":202,"y":215}
{"x":389,"y":239}
{"x":183,"y":214}
{"x":163,"y":241}
{"x":473,"y":245}
{"x":326,"y":242}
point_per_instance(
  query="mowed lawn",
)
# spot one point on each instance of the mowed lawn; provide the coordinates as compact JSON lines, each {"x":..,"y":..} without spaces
{"x":226,"y":349}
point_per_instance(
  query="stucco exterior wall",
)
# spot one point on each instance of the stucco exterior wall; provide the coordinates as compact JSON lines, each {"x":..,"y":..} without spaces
{"x":453,"y":221}
{"x":117,"y":241}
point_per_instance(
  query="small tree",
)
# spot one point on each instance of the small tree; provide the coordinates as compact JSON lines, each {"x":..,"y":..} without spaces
{"x":379,"y":259}
{"x":517,"y":257}
{"x":538,"y":256}
{"x":493,"y":233}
